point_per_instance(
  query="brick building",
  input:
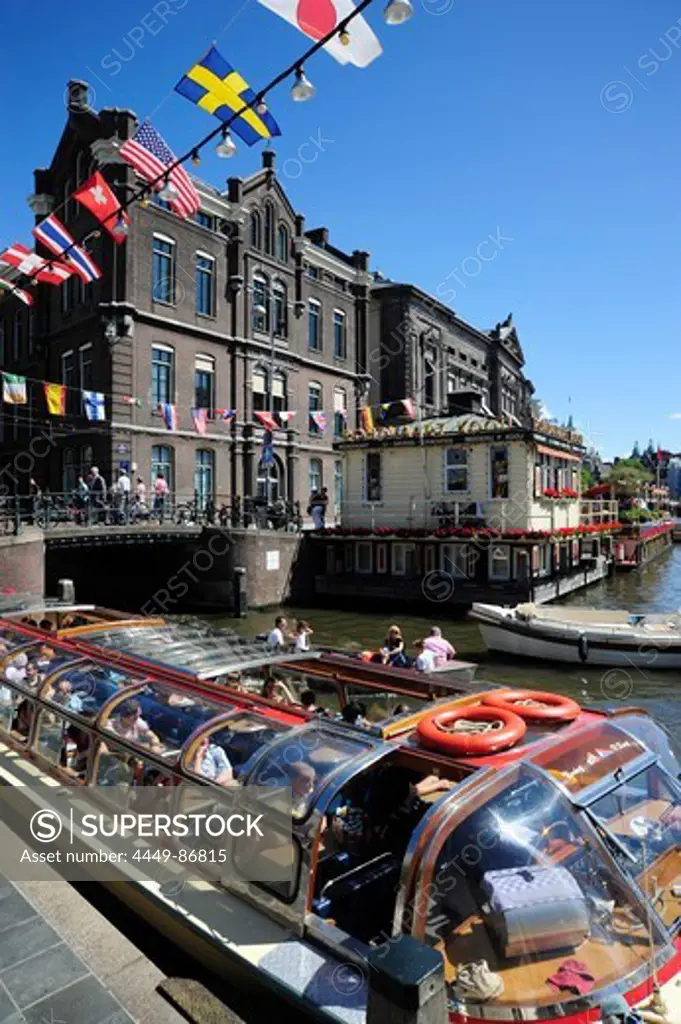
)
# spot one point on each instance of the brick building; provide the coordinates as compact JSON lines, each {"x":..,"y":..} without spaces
{"x":177,"y":317}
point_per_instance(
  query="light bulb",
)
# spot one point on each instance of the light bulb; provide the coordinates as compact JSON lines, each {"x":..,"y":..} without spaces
{"x":302,"y":88}
{"x":261,"y":107}
{"x":168,"y":192}
{"x":226,"y":147}
{"x":196,"y":159}
{"x":397,"y":12}
{"x":344,"y":37}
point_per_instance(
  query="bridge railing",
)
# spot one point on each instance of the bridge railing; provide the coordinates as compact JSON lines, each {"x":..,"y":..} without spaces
{"x":61,"y":510}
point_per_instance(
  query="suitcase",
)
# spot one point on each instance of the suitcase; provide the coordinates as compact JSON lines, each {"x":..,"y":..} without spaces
{"x":536,"y":910}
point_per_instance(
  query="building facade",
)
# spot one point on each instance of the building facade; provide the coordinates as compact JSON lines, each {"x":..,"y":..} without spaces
{"x":239,"y":309}
{"x":420,"y":349}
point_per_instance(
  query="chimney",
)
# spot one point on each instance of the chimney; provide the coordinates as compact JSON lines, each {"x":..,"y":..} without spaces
{"x":77,"y":95}
{"x":360,"y":259}
{"x":235,"y":189}
{"x":320,"y":236}
{"x":268,"y":159}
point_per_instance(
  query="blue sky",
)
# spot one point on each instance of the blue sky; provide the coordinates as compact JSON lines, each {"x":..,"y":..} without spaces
{"x":554,"y":125}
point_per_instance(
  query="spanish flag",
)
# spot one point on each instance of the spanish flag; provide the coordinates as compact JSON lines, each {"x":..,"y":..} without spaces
{"x":214,"y":85}
{"x":55,"y":396}
{"x":366,"y":418}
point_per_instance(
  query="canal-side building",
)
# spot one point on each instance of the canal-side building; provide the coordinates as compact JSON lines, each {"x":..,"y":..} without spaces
{"x":177,"y":319}
{"x":463,"y":508}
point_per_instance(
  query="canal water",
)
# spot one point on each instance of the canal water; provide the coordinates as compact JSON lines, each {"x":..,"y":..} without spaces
{"x":656,"y":587}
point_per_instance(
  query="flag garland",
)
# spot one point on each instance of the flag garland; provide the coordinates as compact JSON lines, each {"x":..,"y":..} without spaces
{"x":225,"y":414}
{"x":97,"y":197}
{"x":316,"y":19}
{"x":14,"y":389}
{"x":93,"y":405}
{"x":52,"y":233}
{"x":200,"y":417}
{"x":24,"y":296}
{"x":149,"y":155}
{"x":28,"y":262}
{"x":319,"y":421}
{"x":55,"y":397}
{"x":169,"y":414}
{"x":266,"y":420}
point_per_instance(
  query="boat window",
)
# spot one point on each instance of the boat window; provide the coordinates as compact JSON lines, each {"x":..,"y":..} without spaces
{"x":289,"y":686}
{"x":380,"y":705}
{"x":22,"y":719}
{"x":34,"y":664}
{"x":11,"y":638}
{"x":119,"y":769}
{"x":654,"y":737}
{"x":588,"y":756}
{"x":85,"y":688}
{"x":304,"y":760}
{"x":9,"y":698}
{"x":171,"y":715}
{"x":281,"y":850}
{"x":522,"y":882}
{"x":62,"y":743}
{"x":223,"y":753}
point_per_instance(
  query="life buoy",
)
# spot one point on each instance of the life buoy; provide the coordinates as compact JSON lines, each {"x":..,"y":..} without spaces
{"x":534,"y":705}
{"x":471,"y":731}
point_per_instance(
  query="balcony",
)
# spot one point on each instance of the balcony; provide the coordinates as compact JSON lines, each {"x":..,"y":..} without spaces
{"x":599,"y":511}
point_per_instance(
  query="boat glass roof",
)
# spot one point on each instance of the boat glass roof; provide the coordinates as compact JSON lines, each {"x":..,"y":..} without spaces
{"x":85,"y":687}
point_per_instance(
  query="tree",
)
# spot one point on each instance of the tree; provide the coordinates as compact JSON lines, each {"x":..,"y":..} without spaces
{"x":587,"y":478}
{"x":628,"y":477}
{"x":636,"y":452}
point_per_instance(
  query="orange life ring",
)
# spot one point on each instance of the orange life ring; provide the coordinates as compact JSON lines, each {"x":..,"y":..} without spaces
{"x":446,"y":731}
{"x":534,"y":705}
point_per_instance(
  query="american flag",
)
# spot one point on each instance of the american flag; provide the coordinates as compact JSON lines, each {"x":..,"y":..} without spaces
{"x":148,"y":154}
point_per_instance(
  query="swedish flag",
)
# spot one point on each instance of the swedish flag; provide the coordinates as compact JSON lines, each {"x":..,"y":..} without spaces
{"x":214,"y":85}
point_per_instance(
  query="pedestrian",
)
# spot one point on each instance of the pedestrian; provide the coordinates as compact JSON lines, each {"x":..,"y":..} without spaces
{"x":123,"y":487}
{"x":317,"y":507}
{"x":441,"y":648}
{"x":302,"y":636}
{"x":98,"y":492}
{"x":34,"y":496}
{"x":161,"y":490}
{"x":81,"y":497}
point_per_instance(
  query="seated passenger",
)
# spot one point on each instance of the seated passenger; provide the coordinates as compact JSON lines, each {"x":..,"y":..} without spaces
{"x":129,"y":725}
{"x":211,"y":762}
{"x":63,"y":694}
{"x":45,"y":659}
{"x":46,"y":625}
{"x":302,"y":778}
{"x":24,"y":717}
{"x":33,"y":678}
{"x":15,"y":671}
{"x":402,"y":804}
{"x":29,"y":621}
{"x":354,"y":713}
{"x":392,"y":651}
{"x":308,"y":700}
{"x":425,"y":658}
{"x":441,"y":648}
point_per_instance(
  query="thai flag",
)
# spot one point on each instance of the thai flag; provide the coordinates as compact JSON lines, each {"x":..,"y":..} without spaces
{"x":52,"y":233}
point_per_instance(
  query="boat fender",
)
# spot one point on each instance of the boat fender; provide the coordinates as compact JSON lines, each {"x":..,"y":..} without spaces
{"x":471,"y":731}
{"x":534,"y":705}
{"x":583,"y":647}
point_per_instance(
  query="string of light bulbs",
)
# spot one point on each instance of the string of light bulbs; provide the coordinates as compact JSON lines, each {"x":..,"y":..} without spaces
{"x":396,"y":12}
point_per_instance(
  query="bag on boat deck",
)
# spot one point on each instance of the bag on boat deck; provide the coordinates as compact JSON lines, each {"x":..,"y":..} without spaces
{"x":536,"y":909}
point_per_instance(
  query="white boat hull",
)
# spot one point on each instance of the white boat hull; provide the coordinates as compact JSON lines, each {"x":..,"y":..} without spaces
{"x":528,"y":645}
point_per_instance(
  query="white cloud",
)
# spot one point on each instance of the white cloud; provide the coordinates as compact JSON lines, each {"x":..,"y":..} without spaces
{"x":675,"y":415}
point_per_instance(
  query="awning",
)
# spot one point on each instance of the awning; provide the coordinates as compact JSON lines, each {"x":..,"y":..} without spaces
{"x":557,"y":454}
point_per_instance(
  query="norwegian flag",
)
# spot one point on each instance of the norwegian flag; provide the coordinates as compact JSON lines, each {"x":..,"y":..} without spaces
{"x":52,"y":233}
{"x":267,"y":420}
{"x":28,"y":262}
{"x":151,"y":157}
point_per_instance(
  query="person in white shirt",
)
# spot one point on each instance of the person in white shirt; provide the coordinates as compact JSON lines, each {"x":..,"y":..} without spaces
{"x":275,"y":638}
{"x":425,"y":659}
{"x":302,"y":637}
{"x":16,"y":670}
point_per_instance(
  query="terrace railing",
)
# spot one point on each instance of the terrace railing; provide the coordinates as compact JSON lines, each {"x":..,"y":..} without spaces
{"x":598,"y":511}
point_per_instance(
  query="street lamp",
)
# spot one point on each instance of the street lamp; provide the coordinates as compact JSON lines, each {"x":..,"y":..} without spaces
{"x":397,"y":12}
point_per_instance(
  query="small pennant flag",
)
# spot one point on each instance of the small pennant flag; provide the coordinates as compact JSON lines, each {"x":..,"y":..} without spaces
{"x":366,"y":418}
{"x":52,"y":233}
{"x":225,"y":414}
{"x":169,"y":414}
{"x":216,"y":87}
{"x":131,"y":400}
{"x":319,"y":421}
{"x":409,"y":407}
{"x":285,"y":416}
{"x":55,"y":396}
{"x":29,"y":263}
{"x":97,"y":197}
{"x":24,"y":296}
{"x":13,"y":389}
{"x":93,"y":403}
{"x":200,"y":417}
{"x":266,"y":420}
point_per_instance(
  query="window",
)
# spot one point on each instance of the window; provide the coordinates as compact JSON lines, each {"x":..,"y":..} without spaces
{"x":429,"y":381}
{"x":162,"y":367}
{"x":452,"y":383}
{"x":17,"y":334}
{"x":269,"y":479}
{"x":68,"y":470}
{"x":205,"y":284}
{"x":340,"y":411}
{"x":373,"y":487}
{"x":339,"y":335}
{"x":363,"y":559}
{"x":458,"y":561}
{"x":403,"y":559}
{"x":312,"y":272}
{"x":280,"y":309}
{"x":314,"y":403}
{"x":68,"y":369}
{"x":66,"y":296}
{"x":68,"y":189}
{"x":204,"y":477}
{"x":314,"y":334}
{"x":269,"y":228}
{"x":85,"y":366}
{"x":163,"y":270}
{"x":259,"y":388}
{"x":500,"y":562}
{"x":456,"y":470}
{"x":499,"y":472}
{"x":278,"y":391}
{"x":261,"y":303}
{"x":206,"y":220}
{"x":316,"y":476}
{"x":81,"y":168}
{"x":282,"y":243}
{"x":157,"y":201}
{"x":256,"y":230}
{"x":338,"y":488}
{"x":86,"y":459}
{"x":204,"y":384}
{"x":162,"y":462}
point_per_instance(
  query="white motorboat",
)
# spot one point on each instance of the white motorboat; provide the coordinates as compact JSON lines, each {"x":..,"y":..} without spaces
{"x":591,"y":636}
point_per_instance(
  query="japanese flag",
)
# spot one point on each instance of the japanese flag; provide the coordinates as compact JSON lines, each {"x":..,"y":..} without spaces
{"x":316,"y":18}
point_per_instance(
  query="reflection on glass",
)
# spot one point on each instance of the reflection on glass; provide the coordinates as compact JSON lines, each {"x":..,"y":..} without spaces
{"x":239,"y":739}
{"x":84,"y":688}
{"x":169,"y":715}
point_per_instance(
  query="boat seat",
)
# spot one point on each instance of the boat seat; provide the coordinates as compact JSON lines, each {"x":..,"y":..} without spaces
{"x":360,"y":900}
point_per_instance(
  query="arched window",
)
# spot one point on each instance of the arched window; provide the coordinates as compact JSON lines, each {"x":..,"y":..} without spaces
{"x":261,"y":303}
{"x":256,"y":230}
{"x":260,"y":389}
{"x":282,"y":243}
{"x":280,"y":309}
{"x":316,"y":475}
{"x":340,"y":411}
{"x":269,"y":482}
{"x":429,"y":380}
{"x":204,"y":476}
{"x":162,"y":462}
{"x":269,"y":228}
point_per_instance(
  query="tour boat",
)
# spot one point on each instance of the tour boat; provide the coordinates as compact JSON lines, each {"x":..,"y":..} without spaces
{"x":534,"y":844}
{"x":591,"y":636}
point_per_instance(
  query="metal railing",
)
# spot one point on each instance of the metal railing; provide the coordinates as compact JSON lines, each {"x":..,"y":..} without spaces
{"x":599,"y":511}
{"x":64,"y":510}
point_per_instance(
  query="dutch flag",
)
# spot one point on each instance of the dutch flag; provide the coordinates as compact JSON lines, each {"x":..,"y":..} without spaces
{"x":52,"y":233}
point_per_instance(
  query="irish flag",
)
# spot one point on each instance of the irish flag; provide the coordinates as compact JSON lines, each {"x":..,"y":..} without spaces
{"x":316,"y":18}
{"x":13,"y":389}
